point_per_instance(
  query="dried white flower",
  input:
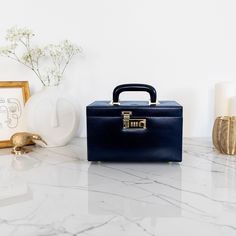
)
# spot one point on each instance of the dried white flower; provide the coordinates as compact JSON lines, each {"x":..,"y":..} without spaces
{"x":62,"y":51}
{"x":52,"y":77}
{"x":59,"y":55}
{"x":5,"y":51}
{"x":16,"y":34}
{"x":69,"y":49}
{"x":54,"y":51}
{"x":33,"y":55}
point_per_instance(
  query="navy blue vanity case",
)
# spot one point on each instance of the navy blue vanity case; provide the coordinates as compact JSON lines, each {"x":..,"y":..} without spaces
{"x":138,"y":131}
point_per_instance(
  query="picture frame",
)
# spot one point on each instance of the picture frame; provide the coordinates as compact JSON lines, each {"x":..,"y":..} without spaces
{"x":13,"y":96}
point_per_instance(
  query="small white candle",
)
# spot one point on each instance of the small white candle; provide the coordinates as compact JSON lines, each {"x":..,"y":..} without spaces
{"x":232,"y":106}
{"x":223,"y":92}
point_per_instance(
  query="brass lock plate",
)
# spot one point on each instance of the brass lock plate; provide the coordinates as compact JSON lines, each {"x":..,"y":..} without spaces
{"x":130,"y":123}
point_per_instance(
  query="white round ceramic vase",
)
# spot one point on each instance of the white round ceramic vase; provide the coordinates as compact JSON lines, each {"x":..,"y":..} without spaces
{"x":50,"y":114}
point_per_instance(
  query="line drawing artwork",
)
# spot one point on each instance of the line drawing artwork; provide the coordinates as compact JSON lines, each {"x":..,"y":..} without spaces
{"x":10,"y":112}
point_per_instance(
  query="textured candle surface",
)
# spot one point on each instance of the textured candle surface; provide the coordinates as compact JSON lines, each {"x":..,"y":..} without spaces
{"x":223,"y":92}
{"x":232,"y":106}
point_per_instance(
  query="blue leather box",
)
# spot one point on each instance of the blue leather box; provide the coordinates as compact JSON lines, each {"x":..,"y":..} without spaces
{"x":134,"y":131}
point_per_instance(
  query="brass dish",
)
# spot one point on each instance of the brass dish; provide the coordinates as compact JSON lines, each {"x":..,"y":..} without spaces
{"x":224,"y":134}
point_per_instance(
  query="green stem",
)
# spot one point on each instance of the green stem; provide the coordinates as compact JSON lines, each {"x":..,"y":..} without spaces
{"x":16,"y":58}
{"x":35,"y":70}
{"x":67,"y":63}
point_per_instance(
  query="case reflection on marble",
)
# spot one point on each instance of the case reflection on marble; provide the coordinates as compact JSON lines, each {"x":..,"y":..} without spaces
{"x":143,"y":206}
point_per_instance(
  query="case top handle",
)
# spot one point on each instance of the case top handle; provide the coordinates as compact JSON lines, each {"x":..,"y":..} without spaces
{"x":135,"y":87}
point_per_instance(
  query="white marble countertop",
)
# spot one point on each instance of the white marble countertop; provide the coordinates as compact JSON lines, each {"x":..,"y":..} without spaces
{"x":57,"y":192}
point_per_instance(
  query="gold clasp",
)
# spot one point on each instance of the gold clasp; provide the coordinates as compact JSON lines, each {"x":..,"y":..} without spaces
{"x":129,"y":123}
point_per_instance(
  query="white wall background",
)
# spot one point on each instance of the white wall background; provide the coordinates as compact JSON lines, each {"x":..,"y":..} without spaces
{"x":181,"y":47}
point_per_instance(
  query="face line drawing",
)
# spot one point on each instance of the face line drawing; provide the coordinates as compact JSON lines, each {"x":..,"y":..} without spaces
{"x":13,"y":111}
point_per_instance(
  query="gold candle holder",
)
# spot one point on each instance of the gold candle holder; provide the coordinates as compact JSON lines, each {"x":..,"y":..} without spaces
{"x":224,"y":134}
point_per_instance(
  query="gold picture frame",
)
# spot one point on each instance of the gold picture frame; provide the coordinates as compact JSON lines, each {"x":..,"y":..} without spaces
{"x":13,"y":96}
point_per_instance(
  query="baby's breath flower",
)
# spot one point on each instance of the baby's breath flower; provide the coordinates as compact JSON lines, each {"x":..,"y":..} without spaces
{"x":58,"y":54}
{"x":33,"y":55}
{"x":16,"y":34}
{"x":55,"y":52}
{"x":5,"y":51}
{"x":69,"y":48}
{"x":52,"y":77}
{"x":63,"y":50}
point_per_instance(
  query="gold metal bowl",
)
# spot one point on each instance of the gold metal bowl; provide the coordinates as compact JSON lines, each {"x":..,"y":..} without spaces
{"x":224,"y":134}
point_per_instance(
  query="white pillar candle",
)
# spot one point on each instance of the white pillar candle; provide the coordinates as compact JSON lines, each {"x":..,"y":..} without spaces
{"x":223,"y":92}
{"x":232,"y":106}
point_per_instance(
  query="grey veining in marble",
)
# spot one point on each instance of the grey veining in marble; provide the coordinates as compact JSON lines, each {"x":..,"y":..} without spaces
{"x":57,"y":192}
